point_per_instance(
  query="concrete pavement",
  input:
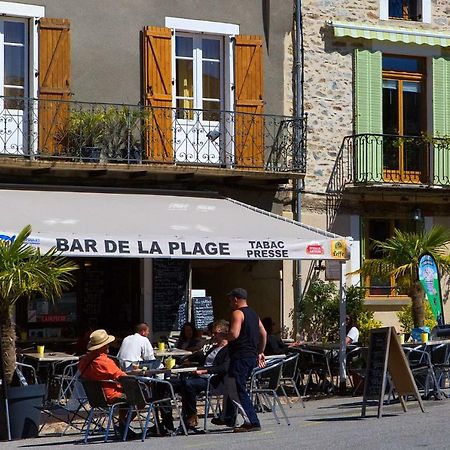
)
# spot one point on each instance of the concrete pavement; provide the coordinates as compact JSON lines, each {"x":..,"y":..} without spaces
{"x":329,"y":423}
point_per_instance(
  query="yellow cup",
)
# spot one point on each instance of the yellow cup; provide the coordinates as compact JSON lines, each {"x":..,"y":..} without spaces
{"x":401,"y":338}
{"x":161,"y":346}
{"x":40,"y":349}
{"x":424,"y":337}
{"x":170,"y":363}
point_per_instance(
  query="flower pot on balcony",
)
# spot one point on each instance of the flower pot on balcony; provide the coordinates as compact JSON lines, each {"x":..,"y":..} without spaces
{"x":90,"y":154}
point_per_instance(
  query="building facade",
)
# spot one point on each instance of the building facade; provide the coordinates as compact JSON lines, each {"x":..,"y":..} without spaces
{"x":151,"y":96}
{"x":377,"y":94}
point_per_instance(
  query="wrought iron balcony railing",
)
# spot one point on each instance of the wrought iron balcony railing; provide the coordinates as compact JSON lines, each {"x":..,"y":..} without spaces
{"x":93,"y":132}
{"x":380,"y":158}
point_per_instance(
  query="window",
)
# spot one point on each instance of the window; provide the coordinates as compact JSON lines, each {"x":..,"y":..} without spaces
{"x":404,"y":114}
{"x":380,"y":230}
{"x":414,"y":10}
{"x":404,"y":9}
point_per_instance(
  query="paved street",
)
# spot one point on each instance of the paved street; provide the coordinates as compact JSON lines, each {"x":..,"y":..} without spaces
{"x":332,"y":423}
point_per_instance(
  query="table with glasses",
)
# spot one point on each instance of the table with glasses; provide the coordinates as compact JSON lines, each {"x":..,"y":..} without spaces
{"x":174,"y":352}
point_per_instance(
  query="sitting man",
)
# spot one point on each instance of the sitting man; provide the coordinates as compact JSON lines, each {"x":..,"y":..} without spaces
{"x":215,"y":361}
{"x":96,"y":365}
{"x":136,"y":347}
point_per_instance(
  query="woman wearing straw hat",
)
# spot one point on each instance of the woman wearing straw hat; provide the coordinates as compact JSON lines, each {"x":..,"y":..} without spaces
{"x":96,"y":365}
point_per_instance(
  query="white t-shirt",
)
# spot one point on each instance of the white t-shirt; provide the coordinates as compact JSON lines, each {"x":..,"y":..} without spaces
{"x":353,"y":334}
{"x":135,"y":348}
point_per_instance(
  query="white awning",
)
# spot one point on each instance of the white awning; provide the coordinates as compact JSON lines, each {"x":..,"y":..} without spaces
{"x":160,"y":226}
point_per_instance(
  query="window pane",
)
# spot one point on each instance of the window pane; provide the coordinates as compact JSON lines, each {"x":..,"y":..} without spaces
{"x":211,"y":79}
{"x":390,"y":106}
{"x":185,"y":78}
{"x":14,"y":103}
{"x":183,"y":46}
{"x":211,"y":48}
{"x":14,"y":32}
{"x":396,"y":8}
{"x":402,"y":64}
{"x":211,"y":111}
{"x":14,"y":66}
{"x":403,"y":9}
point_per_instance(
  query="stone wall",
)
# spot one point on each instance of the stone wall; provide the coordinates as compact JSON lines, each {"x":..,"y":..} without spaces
{"x":329,"y":78}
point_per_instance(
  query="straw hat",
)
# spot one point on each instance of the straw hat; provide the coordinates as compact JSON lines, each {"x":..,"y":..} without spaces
{"x":98,"y":339}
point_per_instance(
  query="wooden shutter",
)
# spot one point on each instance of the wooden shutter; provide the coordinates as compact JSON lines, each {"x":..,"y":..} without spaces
{"x":368,"y":117}
{"x":441,"y":118}
{"x":157,"y":89}
{"x":249,"y":123}
{"x":54,"y":81}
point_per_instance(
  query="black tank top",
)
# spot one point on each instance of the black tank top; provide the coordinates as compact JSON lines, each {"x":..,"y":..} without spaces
{"x":246,"y":345}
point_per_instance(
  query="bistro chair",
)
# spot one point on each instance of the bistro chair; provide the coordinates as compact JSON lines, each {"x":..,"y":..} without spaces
{"x":440,"y":358}
{"x":138,"y":397}
{"x":100,"y":408}
{"x":313,"y":365}
{"x":209,"y":396}
{"x":289,"y":378}
{"x":264,"y":384}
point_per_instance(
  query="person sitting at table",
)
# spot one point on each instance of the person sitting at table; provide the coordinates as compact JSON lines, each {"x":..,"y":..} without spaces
{"x":274,"y":344}
{"x":96,"y":365}
{"x":188,"y":339}
{"x":215,"y":361}
{"x":136,"y":347}
{"x":351,"y":330}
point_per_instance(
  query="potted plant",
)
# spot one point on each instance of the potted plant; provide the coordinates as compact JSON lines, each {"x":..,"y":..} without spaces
{"x":81,"y":134}
{"x":121,"y":135}
{"x":25,"y":271}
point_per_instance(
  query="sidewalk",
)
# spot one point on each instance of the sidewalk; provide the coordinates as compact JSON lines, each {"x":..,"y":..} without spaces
{"x":328,"y":423}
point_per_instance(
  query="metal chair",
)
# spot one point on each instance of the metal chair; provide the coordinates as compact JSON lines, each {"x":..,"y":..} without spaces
{"x":313,"y":363}
{"x":100,"y":408}
{"x":264,"y":384}
{"x":289,"y":378}
{"x":139,"y":400}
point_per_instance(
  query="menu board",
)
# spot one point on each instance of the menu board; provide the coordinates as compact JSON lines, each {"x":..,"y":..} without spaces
{"x":170,"y":281}
{"x":202,"y":312}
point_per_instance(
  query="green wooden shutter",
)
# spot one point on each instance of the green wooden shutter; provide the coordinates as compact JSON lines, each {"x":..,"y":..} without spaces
{"x":368,"y":115}
{"x":441,"y":118}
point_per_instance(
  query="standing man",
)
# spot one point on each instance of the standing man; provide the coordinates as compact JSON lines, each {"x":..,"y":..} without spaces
{"x":136,"y":347}
{"x":247,"y":340}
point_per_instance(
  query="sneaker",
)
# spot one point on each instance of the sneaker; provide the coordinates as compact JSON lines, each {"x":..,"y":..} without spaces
{"x":246,"y":427}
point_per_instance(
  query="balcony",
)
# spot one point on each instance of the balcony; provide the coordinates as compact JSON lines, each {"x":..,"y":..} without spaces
{"x":79,"y":132}
{"x":377,"y":159}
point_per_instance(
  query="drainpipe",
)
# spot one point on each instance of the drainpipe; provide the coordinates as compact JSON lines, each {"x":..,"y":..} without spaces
{"x":299,"y":113}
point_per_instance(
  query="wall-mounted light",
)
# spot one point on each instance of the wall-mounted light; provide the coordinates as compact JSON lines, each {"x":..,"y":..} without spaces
{"x":417,"y":214}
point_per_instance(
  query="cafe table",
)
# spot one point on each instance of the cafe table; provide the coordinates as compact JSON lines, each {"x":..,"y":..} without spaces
{"x":174,"y":352}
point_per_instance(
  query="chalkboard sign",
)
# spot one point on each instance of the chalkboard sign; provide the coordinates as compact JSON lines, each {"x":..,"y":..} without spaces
{"x":182,"y":314}
{"x":202,"y":312}
{"x":386,"y":355}
{"x":170,"y":279}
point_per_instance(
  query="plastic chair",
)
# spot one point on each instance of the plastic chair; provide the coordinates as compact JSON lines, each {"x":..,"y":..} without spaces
{"x":100,"y":408}
{"x":264,"y":384}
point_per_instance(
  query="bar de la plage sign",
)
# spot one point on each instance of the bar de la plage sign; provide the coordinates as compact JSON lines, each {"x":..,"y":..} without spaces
{"x":238,"y":249}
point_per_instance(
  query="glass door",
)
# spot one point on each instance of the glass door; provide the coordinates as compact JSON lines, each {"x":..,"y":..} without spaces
{"x":198,"y":98}
{"x":13,"y":85}
{"x":404,"y":117}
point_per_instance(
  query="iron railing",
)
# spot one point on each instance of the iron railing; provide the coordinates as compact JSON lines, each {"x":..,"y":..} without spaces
{"x":380,"y":158}
{"x":112,"y":133}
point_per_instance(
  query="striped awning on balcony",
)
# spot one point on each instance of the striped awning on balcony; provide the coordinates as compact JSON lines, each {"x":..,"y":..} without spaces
{"x":370,"y":32}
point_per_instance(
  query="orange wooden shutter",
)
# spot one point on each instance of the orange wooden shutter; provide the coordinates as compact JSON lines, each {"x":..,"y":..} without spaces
{"x":157,"y":78}
{"x":54,"y":80}
{"x":249,"y":124}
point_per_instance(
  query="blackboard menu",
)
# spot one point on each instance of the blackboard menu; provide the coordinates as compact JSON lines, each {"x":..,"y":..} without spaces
{"x":93,"y":292}
{"x":202,"y":312}
{"x":182,"y":314}
{"x":377,"y":364}
{"x":170,"y":279}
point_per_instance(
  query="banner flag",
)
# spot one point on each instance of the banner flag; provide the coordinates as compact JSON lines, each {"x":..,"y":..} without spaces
{"x":431,"y":283}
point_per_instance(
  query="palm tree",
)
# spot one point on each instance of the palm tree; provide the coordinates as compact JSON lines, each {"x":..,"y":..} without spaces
{"x":25,"y":271}
{"x":400,"y":256}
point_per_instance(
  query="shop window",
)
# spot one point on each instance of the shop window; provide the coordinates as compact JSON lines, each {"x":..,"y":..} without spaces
{"x":378,"y":229}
